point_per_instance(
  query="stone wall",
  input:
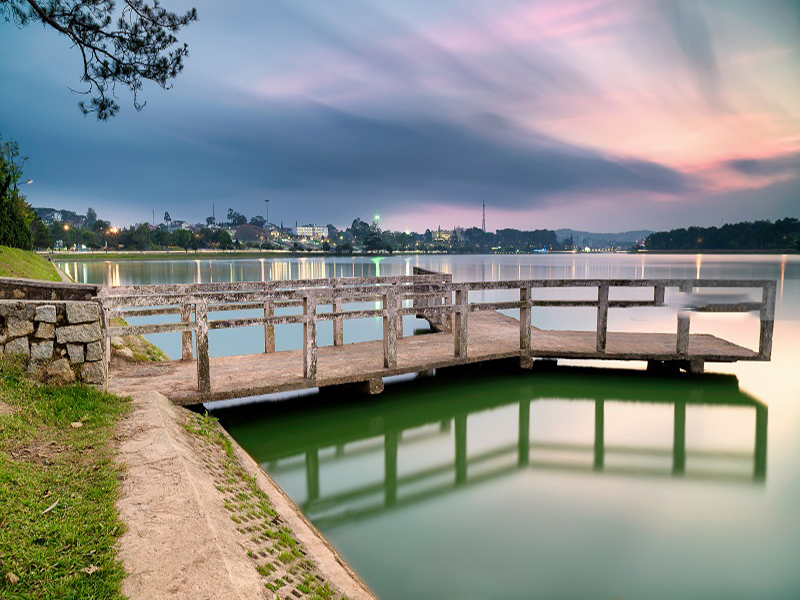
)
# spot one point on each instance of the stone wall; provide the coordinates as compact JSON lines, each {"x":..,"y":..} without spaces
{"x":61,"y":340}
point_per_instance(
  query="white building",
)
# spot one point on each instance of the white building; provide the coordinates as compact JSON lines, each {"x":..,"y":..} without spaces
{"x":311,"y":232}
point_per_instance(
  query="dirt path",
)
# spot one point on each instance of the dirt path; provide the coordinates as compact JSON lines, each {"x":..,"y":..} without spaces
{"x":181,"y":541}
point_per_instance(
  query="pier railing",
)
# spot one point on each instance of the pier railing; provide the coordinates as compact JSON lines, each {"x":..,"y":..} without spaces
{"x":434,"y":296}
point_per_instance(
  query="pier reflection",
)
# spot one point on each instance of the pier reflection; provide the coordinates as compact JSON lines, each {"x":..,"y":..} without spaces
{"x":304,"y":437}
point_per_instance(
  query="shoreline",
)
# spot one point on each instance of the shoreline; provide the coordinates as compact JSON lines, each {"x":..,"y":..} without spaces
{"x":148,"y":255}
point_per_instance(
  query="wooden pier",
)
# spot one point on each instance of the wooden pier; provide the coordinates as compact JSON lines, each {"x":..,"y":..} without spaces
{"x":466,"y":331}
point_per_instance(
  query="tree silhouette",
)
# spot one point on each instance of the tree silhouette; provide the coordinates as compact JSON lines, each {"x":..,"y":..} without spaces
{"x":140,"y":45}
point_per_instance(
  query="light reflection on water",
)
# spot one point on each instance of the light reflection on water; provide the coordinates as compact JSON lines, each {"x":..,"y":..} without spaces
{"x":633,"y":517}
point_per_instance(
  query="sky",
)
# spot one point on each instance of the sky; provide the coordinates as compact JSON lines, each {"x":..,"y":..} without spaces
{"x":599,"y":115}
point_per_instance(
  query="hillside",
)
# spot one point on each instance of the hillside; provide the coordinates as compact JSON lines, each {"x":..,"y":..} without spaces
{"x":601,"y":239}
{"x":23,"y":263}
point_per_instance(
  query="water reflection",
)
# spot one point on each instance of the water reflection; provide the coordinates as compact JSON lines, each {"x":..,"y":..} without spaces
{"x":329,"y":432}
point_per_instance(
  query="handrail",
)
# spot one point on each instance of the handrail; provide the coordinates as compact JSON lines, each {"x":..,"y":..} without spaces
{"x":434,"y":296}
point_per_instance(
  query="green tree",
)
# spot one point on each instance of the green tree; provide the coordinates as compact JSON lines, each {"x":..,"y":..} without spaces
{"x":118,"y":48}
{"x":258,"y":221}
{"x":16,"y":215}
{"x":183,"y":238}
{"x":42,"y":238}
{"x":167,"y":218}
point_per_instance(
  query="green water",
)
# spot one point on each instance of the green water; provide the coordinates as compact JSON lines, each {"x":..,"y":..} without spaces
{"x":587,"y":481}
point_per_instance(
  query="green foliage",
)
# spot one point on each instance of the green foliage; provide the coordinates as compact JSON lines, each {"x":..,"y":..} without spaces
{"x":182,"y":238}
{"x":758,"y":235}
{"x":15,"y":213}
{"x":58,"y":486}
{"x":122,"y":47}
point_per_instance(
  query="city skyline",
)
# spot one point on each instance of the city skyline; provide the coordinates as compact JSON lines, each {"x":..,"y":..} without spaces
{"x":592,"y":115}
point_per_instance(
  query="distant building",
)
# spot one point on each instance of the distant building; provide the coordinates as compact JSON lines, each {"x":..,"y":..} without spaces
{"x":442,"y":235}
{"x":178,"y":224}
{"x":310,"y":232}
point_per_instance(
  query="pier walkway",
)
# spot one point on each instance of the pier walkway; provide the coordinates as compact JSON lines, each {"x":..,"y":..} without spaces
{"x":465,"y":331}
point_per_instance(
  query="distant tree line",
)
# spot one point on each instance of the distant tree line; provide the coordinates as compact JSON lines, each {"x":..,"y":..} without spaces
{"x":757,"y":235}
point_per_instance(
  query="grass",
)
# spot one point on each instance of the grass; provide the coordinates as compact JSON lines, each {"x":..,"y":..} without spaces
{"x":25,"y":264}
{"x":143,"y":351}
{"x":277,"y":555}
{"x":58,"y":486}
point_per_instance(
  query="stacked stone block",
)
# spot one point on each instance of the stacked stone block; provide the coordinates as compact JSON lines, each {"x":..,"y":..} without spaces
{"x":62,"y":340}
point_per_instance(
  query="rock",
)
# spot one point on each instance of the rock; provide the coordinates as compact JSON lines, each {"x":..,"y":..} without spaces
{"x":42,"y":350}
{"x":71,"y":334}
{"x":46,"y":313}
{"x":75,"y":352}
{"x":82,"y":312}
{"x":17,"y":327}
{"x":37,"y":369}
{"x":18,"y":346}
{"x":93,"y":372}
{"x":46,"y":331}
{"x":94,"y":351}
{"x":125,"y":353}
{"x":59,"y":371}
{"x":117,"y":342}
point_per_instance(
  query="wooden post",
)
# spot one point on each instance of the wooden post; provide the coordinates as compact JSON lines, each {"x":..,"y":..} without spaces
{"x":203,"y":361}
{"x":390,"y":328}
{"x":399,"y":291}
{"x":525,"y":327}
{"x":310,"y":337}
{"x":602,"y":317}
{"x":269,"y":328}
{"x":461,"y":318}
{"x":338,"y":322}
{"x":682,"y":344}
{"x":186,"y":337}
{"x":767,"y":318}
{"x":658,"y":294}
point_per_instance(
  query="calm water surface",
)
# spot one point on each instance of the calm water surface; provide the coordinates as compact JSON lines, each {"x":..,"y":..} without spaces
{"x":578,"y":482}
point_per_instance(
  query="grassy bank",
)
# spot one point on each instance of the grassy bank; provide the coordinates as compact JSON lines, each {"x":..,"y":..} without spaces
{"x":23,"y":263}
{"x":58,"y":486}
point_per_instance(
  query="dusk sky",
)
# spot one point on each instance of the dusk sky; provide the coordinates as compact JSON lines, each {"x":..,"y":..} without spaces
{"x":590,"y":114}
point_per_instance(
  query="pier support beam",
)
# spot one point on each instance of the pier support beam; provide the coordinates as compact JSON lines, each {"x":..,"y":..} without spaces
{"x":269,"y":328}
{"x":310,"y":337}
{"x":525,"y":359}
{"x":390,"y":329}
{"x":371,"y":386}
{"x":602,"y":317}
{"x":203,"y":360}
{"x":682,"y":343}
{"x":338,"y":322}
{"x":460,"y":327}
{"x":186,"y":338}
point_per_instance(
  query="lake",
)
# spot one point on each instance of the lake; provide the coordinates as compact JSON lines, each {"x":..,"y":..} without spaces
{"x":586,"y":481}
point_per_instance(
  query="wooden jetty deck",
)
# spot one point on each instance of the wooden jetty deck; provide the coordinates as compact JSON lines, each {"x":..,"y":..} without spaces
{"x":465,"y":332}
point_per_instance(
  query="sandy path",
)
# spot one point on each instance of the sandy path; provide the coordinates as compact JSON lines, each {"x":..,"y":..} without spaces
{"x":181,"y":541}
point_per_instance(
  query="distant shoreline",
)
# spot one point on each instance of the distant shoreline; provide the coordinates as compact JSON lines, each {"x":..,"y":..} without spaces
{"x":235,"y":254}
